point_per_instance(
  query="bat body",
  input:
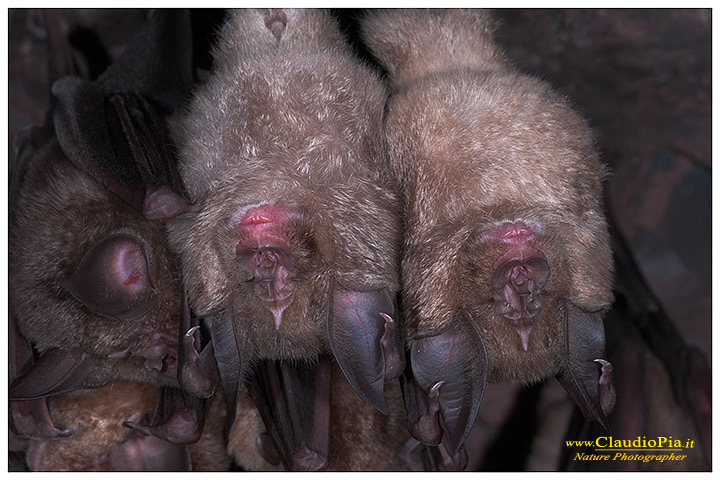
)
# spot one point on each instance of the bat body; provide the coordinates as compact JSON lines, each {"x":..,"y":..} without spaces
{"x":67,"y":225}
{"x":360,"y":437}
{"x":95,"y":292}
{"x":506,"y":266}
{"x":100,"y":441}
{"x":289,"y":254}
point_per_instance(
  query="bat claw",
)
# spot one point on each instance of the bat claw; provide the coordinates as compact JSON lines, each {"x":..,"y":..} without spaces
{"x":606,"y":392}
{"x":192,"y":331}
{"x":423,"y":411}
{"x":393,"y":348}
{"x":197,"y":372}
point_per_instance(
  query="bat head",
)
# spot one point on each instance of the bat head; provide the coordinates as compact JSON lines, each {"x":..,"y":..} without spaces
{"x":294,"y":228}
{"x":90,"y":270}
{"x":504,"y":231}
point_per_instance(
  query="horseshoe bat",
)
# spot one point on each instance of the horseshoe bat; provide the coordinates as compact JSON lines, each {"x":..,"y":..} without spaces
{"x":100,"y":442}
{"x":93,"y":288}
{"x":289,"y":253}
{"x":506,"y":265}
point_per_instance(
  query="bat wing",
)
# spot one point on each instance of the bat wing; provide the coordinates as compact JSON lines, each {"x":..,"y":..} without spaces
{"x":366,"y":341}
{"x":449,"y":375}
{"x":585,"y":375}
{"x":59,"y":371}
{"x":179,"y":417}
{"x":197,"y":370}
{"x":293,"y":399}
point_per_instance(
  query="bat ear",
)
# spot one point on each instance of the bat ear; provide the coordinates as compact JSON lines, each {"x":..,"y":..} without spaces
{"x":113,"y":279}
{"x":141,"y":453}
{"x":585,"y":375}
{"x":366,"y":341}
{"x":179,"y":417}
{"x":451,"y":369}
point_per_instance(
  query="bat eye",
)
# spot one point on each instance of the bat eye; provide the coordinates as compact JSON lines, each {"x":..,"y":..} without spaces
{"x":113,"y":279}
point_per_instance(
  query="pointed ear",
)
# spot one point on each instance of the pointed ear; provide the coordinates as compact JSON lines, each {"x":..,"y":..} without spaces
{"x":179,"y":417}
{"x":584,"y":373}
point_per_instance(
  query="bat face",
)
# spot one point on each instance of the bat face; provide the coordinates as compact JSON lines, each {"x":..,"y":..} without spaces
{"x":294,"y":228}
{"x":506,"y":262}
{"x":90,"y":274}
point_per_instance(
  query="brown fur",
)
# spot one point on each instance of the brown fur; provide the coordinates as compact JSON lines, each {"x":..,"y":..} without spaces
{"x":99,"y":416}
{"x":61,"y":213}
{"x":292,"y":121}
{"x":361,"y":438}
{"x":475,"y":144}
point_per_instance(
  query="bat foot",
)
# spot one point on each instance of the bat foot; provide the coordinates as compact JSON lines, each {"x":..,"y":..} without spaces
{"x":393,"y":348}
{"x":606,"y":391}
{"x":197,"y":372}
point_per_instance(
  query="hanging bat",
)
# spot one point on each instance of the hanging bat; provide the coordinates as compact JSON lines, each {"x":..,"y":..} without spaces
{"x":506,"y":265}
{"x":359,"y":438}
{"x":93,"y":287}
{"x":290,"y":251}
{"x":101,"y":442}
{"x":663,"y":385}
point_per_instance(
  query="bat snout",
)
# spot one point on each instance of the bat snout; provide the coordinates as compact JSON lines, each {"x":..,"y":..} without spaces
{"x":518,"y":285}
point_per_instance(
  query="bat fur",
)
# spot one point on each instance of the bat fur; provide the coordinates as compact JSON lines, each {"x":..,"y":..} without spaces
{"x":101,"y":442}
{"x":361,"y":438}
{"x":498,"y":176}
{"x":282,"y":158}
{"x":295,"y":225}
{"x":291,"y":121}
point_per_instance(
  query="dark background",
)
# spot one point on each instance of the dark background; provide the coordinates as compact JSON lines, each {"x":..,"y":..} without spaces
{"x":642,"y":79}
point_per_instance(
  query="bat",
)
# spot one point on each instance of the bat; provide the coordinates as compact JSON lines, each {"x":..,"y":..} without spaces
{"x":101,"y":442}
{"x":506,"y":263}
{"x":360,"y":437}
{"x":289,"y":252}
{"x":95,"y":294}
{"x":663,"y":384}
